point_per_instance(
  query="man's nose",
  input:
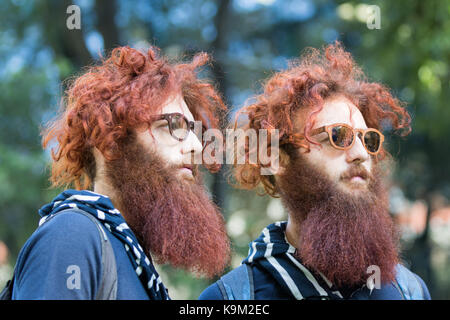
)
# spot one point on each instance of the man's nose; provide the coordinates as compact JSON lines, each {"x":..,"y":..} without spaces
{"x":191,"y":144}
{"x":357,"y":153}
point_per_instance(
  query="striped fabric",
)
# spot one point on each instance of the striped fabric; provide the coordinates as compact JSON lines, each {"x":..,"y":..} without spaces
{"x":102,"y":208}
{"x":272,"y":251}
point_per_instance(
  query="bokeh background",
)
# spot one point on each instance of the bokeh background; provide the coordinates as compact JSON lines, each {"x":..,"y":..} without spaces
{"x":249,"y":40}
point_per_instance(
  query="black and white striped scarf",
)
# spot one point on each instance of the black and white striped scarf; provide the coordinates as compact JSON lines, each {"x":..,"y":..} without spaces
{"x":273,"y":252}
{"x":103,"y":210}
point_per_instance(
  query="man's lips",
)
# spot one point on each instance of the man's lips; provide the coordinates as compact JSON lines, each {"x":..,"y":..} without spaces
{"x":187,"y":169}
{"x":187,"y":166}
{"x":355,"y":175}
{"x":357,"y":179}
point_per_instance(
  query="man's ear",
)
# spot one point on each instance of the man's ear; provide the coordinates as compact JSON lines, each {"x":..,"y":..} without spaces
{"x":303,"y":150}
{"x":278,"y":166}
{"x":272,"y":170}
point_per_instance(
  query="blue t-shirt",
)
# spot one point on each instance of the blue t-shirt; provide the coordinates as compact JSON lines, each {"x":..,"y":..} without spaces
{"x":62,"y":260}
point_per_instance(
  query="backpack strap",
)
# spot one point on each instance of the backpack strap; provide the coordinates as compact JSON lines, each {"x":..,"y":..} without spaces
{"x":108,"y":285}
{"x":237,"y":284}
{"x":408,"y":284}
{"x":6,"y":293}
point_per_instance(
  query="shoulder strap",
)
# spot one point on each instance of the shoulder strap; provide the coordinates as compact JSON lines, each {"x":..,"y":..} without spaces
{"x":237,"y":284}
{"x":6,"y":293}
{"x":108,"y":285}
{"x":408,"y":284}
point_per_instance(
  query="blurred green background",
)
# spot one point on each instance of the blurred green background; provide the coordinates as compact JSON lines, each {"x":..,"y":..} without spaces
{"x":249,"y":40}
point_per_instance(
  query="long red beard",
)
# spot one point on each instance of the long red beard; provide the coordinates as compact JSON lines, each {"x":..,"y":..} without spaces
{"x":174,"y":219}
{"x":341,"y":234}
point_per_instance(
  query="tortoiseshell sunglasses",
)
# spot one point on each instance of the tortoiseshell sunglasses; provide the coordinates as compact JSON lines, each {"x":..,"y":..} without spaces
{"x":342,"y":137}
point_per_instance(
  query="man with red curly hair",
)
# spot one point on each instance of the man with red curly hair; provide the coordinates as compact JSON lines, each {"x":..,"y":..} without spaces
{"x":125,"y":141}
{"x":339,"y":241}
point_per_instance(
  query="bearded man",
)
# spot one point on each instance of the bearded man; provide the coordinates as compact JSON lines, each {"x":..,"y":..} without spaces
{"x":125,"y":140}
{"x":339,"y":241}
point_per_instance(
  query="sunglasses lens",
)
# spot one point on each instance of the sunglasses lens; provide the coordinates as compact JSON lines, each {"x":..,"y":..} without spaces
{"x":179,"y":126}
{"x":372,"y":140}
{"x":342,"y":136}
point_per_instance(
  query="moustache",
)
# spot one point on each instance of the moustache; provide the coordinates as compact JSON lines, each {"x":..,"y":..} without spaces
{"x":357,"y":171}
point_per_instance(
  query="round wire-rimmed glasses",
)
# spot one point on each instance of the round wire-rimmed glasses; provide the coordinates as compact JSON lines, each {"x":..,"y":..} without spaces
{"x":179,"y":125}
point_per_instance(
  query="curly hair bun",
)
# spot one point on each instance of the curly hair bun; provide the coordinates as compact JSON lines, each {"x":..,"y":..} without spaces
{"x":130,"y":61}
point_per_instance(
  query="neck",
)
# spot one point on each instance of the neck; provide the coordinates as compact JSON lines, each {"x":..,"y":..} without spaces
{"x":292,"y":234}
{"x":101,"y":187}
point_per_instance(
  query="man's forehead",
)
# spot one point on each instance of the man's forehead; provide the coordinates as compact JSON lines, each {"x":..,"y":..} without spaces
{"x":337,"y":110}
{"x":177,"y":104}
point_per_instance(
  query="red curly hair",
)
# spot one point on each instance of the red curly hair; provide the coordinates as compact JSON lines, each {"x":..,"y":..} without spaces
{"x":102,"y":105}
{"x":318,"y":75}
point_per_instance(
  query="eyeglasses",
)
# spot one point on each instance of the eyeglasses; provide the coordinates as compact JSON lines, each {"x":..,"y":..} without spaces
{"x":342,"y":137}
{"x":179,"y":125}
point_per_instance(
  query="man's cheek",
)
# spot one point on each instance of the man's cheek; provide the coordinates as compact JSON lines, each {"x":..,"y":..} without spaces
{"x":170,"y":155}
